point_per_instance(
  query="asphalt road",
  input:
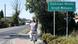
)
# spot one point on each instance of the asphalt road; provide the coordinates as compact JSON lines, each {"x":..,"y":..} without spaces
{"x":12,"y":30}
{"x":6,"y":32}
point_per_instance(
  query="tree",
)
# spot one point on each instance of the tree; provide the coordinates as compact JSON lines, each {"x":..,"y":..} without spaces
{"x":39,"y":7}
{"x":1,"y":14}
{"x":15,"y":19}
{"x":16,"y":7}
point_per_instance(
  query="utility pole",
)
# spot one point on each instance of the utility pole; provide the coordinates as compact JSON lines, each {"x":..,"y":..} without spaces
{"x":5,"y":11}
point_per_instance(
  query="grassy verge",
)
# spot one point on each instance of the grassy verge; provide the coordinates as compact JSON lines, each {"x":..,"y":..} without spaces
{"x":50,"y":39}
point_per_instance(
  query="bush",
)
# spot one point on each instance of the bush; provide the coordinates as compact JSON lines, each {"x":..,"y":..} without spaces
{"x":3,"y":24}
{"x":50,"y":39}
{"x":64,"y":40}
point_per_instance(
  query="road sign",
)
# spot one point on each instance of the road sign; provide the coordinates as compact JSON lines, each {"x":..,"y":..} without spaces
{"x":61,"y":6}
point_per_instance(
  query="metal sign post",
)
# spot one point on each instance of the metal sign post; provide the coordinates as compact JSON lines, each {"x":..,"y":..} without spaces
{"x":67,"y":24}
{"x":54,"y":23}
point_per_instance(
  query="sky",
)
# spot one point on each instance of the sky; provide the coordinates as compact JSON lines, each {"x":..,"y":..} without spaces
{"x":10,"y":10}
{"x":23,"y":13}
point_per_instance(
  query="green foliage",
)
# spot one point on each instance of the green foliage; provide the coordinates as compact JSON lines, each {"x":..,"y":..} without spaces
{"x":15,"y":17}
{"x":39,"y":7}
{"x":33,"y":5}
{"x":6,"y":24}
{"x":1,"y":14}
{"x":50,"y":39}
{"x":15,"y":20}
{"x":68,"y":40}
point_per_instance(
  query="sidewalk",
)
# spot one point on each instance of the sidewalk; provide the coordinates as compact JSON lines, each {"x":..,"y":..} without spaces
{"x":23,"y":41}
{"x":19,"y":41}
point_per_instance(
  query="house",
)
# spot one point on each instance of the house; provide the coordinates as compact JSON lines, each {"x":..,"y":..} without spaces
{"x":76,"y":18}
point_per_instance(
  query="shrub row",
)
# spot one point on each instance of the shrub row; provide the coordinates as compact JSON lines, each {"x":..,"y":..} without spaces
{"x":50,"y":39}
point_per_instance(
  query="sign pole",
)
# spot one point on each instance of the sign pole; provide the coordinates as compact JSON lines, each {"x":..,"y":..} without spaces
{"x":67,"y":24}
{"x":54,"y":25}
{"x":54,"y":22}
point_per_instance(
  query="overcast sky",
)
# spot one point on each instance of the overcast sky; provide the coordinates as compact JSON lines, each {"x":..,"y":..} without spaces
{"x":24,"y":13}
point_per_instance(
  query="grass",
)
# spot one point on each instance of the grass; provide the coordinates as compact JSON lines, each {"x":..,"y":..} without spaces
{"x":50,"y":39}
{"x":68,"y":40}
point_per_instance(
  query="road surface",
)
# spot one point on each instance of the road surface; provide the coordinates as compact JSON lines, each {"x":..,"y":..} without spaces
{"x":6,"y":36}
{"x":6,"y":32}
{"x":12,"y":30}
